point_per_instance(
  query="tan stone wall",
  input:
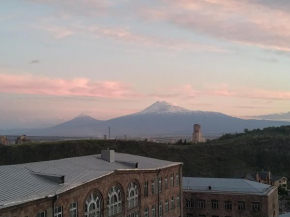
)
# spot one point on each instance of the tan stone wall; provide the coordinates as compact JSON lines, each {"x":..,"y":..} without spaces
{"x":273,"y":203}
{"x":265,"y":203}
{"x":103,"y":185}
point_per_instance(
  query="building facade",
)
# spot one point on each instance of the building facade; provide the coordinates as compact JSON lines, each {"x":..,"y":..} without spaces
{"x":266,"y":177}
{"x":110,"y":184}
{"x":211,"y":197}
{"x":197,"y":134}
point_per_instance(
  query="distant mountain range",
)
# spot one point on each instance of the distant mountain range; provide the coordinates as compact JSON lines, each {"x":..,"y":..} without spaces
{"x":161,"y":118}
{"x":276,"y":116}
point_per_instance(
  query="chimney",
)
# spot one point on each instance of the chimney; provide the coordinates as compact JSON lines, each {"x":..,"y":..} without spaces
{"x":257,"y":177}
{"x":269,"y":177}
{"x":108,"y":155}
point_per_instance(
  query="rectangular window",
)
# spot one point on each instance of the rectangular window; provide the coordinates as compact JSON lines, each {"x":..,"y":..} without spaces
{"x":171,"y":180}
{"x":201,"y":204}
{"x":214,"y":204}
{"x":178,"y":201}
{"x":73,"y":210}
{"x":160,"y":184}
{"x":241,"y":205}
{"x":172,"y":203}
{"x":146,"y":212}
{"x":152,"y":187}
{"x":58,"y":211}
{"x":228,"y":205}
{"x":166,"y":182}
{"x":41,"y":214}
{"x":256,"y":206}
{"x":145,"y":189}
{"x":160,"y":209}
{"x":177,"y":179}
{"x":153,"y":211}
{"x":166,"y":206}
{"x":189,"y":203}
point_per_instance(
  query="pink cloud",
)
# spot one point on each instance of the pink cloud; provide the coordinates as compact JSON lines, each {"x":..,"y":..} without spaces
{"x":30,"y":84}
{"x":124,"y":34}
{"x":223,"y":90}
{"x":240,"y":21}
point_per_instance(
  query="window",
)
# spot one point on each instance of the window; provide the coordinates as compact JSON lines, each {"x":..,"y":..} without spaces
{"x":160,"y":184}
{"x":114,"y":201}
{"x":189,"y":203}
{"x":73,"y":210}
{"x":178,"y":201}
{"x":93,"y":205}
{"x":214,"y":204}
{"x":58,"y":211}
{"x":166,"y":206}
{"x":228,"y":205}
{"x":134,"y":214}
{"x":41,"y":214}
{"x":145,"y":189}
{"x":146,"y":212}
{"x":152,"y":187}
{"x":166,"y":182}
{"x":153,"y":211}
{"x":172,"y":203}
{"x":201,"y":204}
{"x":256,"y":206}
{"x":171,"y":180}
{"x":241,"y":205}
{"x":177,"y":179}
{"x":160,"y":209}
{"x":132,"y":195}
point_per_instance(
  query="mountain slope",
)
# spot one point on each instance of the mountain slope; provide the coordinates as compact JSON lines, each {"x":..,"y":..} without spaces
{"x":161,"y":118}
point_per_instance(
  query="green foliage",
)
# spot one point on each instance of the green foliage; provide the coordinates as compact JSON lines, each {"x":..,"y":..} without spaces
{"x":231,"y":155}
{"x":282,"y":191}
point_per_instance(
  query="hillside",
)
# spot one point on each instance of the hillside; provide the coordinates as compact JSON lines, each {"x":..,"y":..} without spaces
{"x":228,"y":156}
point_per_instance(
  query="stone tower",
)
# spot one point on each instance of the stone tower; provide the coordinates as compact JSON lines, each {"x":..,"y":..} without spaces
{"x":197,"y":135}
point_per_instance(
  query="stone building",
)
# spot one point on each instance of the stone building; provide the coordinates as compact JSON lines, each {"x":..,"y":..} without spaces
{"x":105,"y":185}
{"x":22,"y":139}
{"x":267,"y":178}
{"x":4,"y":140}
{"x":213,"y":197}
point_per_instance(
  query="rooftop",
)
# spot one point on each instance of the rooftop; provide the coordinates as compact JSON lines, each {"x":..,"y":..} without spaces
{"x":223,"y":185}
{"x":25,"y":182}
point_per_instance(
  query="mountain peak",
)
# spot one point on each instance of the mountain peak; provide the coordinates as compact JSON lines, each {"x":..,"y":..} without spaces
{"x":83,"y":115}
{"x":160,"y":107}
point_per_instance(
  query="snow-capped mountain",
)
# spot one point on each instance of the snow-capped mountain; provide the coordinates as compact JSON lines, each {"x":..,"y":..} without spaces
{"x":162,"y":108}
{"x":161,"y":118}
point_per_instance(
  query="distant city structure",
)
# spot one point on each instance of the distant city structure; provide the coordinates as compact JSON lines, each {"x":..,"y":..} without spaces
{"x":109,"y":184}
{"x":4,"y":140}
{"x":266,"y":177}
{"x":213,"y":197}
{"x":22,"y":139}
{"x":197,"y":135}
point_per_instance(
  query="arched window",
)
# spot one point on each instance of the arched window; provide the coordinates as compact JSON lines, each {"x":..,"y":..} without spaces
{"x":114,"y":200}
{"x":132,"y":195}
{"x":93,"y":205}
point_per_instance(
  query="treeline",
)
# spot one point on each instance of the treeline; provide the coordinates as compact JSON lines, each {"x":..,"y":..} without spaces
{"x":224,"y":157}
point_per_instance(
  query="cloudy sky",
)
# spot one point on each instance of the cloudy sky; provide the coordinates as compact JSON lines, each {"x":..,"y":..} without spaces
{"x":107,"y":58}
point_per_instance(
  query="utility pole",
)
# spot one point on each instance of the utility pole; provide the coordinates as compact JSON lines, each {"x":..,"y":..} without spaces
{"x":109,"y":132}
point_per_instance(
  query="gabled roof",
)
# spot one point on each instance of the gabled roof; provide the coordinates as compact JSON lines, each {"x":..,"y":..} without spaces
{"x":263,"y":175}
{"x":25,"y":182}
{"x":223,"y":185}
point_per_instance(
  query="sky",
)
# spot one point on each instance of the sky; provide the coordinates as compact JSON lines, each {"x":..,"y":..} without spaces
{"x":107,"y":58}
